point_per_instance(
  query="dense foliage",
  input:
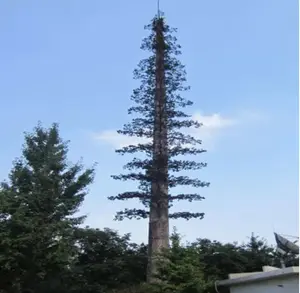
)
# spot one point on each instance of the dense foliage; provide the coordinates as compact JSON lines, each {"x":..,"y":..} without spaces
{"x":38,"y":203}
{"x":179,"y":142}
{"x":43,"y":248}
{"x":160,"y":119}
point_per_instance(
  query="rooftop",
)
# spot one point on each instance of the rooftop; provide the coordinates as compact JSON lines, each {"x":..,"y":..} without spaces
{"x":267,"y":273}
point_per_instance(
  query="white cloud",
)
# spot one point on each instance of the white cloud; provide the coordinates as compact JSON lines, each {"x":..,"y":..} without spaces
{"x":214,"y":121}
{"x":212,"y":127}
{"x":117,"y":140}
{"x":209,"y":132}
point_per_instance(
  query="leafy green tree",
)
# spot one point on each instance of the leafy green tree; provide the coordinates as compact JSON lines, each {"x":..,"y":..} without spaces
{"x":160,"y":120}
{"x":181,"y":271}
{"x":108,"y":261}
{"x":219,"y":259}
{"x":259,"y":253}
{"x":37,"y":212}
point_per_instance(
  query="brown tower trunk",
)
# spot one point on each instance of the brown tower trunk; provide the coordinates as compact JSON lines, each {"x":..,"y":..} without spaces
{"x":159,"y":211}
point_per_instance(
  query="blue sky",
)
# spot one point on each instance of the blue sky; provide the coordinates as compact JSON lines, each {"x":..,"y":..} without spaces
{"x":71,"y":62}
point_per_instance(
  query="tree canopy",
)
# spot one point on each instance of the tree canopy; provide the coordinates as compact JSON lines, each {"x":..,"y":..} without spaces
{"x":160,"y":119}
{"x":44,"y":243}
{"x":180,"y":144}
{"x":37,"y":212}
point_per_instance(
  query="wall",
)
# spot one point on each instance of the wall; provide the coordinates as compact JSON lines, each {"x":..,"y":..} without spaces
{"x":288,"y":284}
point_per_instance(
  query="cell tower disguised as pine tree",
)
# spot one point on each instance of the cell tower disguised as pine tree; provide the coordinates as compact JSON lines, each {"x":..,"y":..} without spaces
{"x":160,"y":120}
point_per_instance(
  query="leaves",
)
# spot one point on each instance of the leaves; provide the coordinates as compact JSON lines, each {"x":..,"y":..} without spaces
{"x":142,"y":168}
{"x":108,"y":260}
{"x":43,"y":248}
{"x":37,"y":209}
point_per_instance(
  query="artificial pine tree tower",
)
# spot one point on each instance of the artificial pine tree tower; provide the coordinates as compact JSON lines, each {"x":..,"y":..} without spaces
{"x":159,"y":203}
{"x":160,"y":120}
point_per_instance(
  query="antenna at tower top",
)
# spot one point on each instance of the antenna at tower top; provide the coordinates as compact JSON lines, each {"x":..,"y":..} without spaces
{"x":158,"y":9}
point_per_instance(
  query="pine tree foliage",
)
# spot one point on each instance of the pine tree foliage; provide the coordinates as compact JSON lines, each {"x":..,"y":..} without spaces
{"x":180,"y":143}
{"x":183,"y":272}
{"x":37,"y":208}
